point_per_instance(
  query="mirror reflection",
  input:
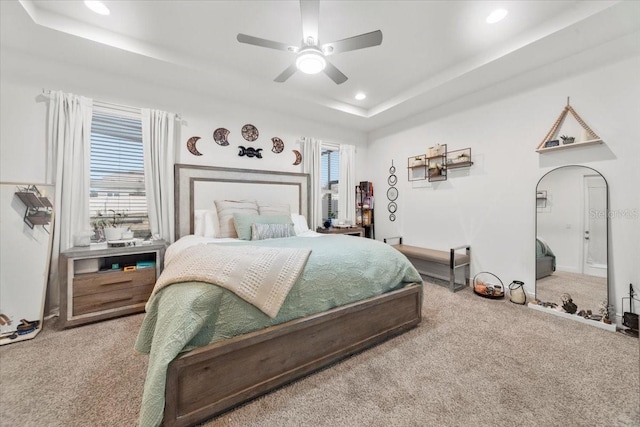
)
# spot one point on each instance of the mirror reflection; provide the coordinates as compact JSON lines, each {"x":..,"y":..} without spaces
{"x":571,"y":243}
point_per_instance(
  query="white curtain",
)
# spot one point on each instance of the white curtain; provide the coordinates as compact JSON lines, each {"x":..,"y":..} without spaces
{"x":160,"y":135}
{"x":311,"y":153}
{"x":68,"y":157}
{"x":346,"y":192}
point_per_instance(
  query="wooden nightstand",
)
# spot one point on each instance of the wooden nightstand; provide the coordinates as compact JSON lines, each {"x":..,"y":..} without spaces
{"x":99,"y":284}
{"x":351,"y":231}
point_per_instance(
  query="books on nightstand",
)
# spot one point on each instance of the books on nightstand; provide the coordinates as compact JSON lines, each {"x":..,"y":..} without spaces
{"x":145,"y":264}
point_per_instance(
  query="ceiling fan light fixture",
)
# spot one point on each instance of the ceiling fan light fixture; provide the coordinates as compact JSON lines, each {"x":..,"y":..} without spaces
{"x":310,"y":61}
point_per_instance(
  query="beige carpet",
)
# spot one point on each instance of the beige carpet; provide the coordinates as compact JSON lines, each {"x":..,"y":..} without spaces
{"x":472,"y":362}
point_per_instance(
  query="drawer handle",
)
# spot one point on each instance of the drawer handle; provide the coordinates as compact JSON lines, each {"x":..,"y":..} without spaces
{"x":117,"y":300}
{"x":116,"y":283}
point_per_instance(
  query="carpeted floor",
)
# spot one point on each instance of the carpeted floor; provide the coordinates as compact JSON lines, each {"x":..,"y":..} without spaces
{"x":472,"y":362}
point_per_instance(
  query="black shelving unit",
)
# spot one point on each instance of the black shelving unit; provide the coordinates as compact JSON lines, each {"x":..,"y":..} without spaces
{"x":39,"y":208}
{"x":364,"y":208}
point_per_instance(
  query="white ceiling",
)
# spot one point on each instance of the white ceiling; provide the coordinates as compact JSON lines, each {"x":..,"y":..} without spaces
{"x":432,"y":51}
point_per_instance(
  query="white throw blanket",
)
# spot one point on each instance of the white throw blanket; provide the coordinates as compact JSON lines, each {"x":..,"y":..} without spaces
{"x":261,"y":276}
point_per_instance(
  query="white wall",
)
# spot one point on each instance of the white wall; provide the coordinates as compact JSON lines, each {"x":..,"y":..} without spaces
{"x":23,"y":128}
{"x":491,"y":206}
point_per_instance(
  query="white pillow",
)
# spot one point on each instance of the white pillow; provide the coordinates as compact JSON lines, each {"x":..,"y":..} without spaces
{"x":299,"y":223}
{"x":205,"y":222}
{"x":198,"y":222}
{"x":210,"y":223}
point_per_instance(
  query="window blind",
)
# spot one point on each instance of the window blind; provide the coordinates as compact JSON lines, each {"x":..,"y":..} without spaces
{"x":330,"y":167}
{"x":117,"y":169}
{"x":330,"y":164}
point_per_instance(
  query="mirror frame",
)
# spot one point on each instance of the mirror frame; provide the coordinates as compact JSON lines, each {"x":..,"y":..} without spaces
{"x":607,"y":227}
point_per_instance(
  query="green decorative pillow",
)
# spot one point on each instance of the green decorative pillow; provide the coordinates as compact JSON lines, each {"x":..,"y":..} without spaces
{"x":243,"y":222}
{"x":271,"y":231}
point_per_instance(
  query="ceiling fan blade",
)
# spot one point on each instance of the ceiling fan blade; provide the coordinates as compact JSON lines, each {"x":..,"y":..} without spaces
{"x":310,"y":12}
{"x":373,"y":38}
{"x":286,"y":73}
{"x":334,"y":74}
{"x":256,"y":41}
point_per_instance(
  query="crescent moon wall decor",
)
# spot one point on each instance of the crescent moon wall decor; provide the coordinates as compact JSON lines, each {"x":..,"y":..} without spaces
{"x":298,"y":157}
{"x":191,"y":146}
{"x":220,"y":136}
{"x":278,"y":145}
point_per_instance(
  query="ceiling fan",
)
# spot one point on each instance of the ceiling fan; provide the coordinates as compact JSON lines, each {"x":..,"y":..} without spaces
{"x":311,"y":55}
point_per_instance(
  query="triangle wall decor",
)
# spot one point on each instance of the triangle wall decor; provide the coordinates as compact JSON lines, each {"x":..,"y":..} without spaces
{"x":592,"y":137}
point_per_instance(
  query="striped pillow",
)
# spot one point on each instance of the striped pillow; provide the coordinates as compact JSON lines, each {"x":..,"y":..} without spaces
{"x":243,"y":223}
{"x":274,"y":209}
{"x":226,"y":209}
{"x":271,"y":231}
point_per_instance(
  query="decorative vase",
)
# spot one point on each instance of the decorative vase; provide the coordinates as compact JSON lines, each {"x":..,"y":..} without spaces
{"x":114,"y":233}
{"x":83,"y":238}
{"x":516,"y":292}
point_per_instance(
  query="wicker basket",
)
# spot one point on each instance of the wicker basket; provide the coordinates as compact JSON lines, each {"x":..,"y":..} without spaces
{"x":488,"y":285}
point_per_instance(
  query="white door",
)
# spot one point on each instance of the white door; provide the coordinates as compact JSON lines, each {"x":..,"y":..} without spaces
{"x":595,"y":227}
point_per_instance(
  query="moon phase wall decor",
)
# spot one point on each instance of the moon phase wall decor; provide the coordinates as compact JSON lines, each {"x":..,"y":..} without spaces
{"x":191,"y":146}
{"x":250,"y":132}
{"x":220,"y":136}
{"x":298,"y":157}
{"x":392,"y":193}
{"x":278,"y":145}
{"x":250,"y":152}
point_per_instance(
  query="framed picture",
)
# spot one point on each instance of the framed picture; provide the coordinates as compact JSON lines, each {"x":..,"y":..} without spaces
{"x":552,"y":143}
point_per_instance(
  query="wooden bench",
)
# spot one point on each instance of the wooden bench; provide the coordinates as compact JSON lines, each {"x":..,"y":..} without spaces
{"x":449,"y":265}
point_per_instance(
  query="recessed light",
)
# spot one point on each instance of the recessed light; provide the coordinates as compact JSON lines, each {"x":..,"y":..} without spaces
{"x":496,"y":16}
{"x":360,"y":96}
{"x":97,"y":6}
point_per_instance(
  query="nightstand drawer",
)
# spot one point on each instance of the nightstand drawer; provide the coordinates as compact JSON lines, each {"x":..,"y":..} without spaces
{"x":109,"y":281}
{"x":130,"y":295}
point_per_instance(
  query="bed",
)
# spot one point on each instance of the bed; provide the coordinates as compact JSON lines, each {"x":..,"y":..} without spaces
{"x":211,"y":360}
{"x":545,"y":259}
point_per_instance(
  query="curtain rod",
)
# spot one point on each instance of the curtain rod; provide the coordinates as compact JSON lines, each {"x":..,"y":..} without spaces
{"x":113,"y":105}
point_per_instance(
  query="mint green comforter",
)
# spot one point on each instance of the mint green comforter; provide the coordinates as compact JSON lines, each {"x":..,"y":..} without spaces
{"x":341,"y":269}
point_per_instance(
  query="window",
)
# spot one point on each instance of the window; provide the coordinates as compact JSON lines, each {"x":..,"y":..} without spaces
{"x":330,"y":166}
{"x":117,"y":170}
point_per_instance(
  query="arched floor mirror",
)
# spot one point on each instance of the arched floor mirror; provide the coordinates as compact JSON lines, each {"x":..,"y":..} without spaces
{"x":572,"y":256}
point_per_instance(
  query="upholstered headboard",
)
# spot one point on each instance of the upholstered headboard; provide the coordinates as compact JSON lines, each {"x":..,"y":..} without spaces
{"x":196,"y":187}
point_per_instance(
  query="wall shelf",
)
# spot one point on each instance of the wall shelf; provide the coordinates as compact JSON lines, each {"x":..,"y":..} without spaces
{"x":39,"y":208}
{"x":434,"y":165}
{"x":574,"y":145}
{"x":551,"y":142}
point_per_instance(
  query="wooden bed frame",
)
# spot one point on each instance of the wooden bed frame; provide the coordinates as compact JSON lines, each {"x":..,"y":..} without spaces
{"x":213,"y":379}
